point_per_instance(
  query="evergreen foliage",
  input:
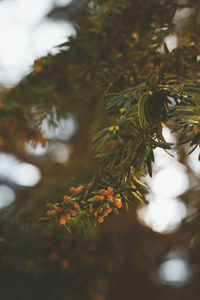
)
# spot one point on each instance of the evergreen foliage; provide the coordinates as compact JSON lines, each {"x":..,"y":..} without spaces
{"x":118,"y":58}
{"x":121,"y":82}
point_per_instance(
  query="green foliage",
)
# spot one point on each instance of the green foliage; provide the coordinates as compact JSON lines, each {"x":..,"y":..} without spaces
{"x":118,"y":78}
{"x":119,"y":59}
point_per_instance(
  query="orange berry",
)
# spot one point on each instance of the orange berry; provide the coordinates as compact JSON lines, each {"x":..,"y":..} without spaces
{"x":108,"y":210}
{"x":100,"y":219}
{"x":97,"y":197}
{"x":68,"y":215}
{"x":118,"y":203}
{"x":57,"y":209}
{"x":62,"y":220}
{"x":72,"y":190}
{"x":76,"y":205}
{"x":73,"y":213}
{"x":50,"y":212}
{"x":79,"y":189}
{"x":118,"y":195}
{"x":110,"y":190}
{"x":103,"y":192}
{"x":102,"y":198}
{"x":90,"y":209}
{"x":82,"y":188}
{"x":110,"y":197}
{"x":66,"y":197}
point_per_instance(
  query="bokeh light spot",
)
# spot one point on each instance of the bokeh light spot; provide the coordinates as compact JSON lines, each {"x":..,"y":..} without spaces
{"x":164,"y":215}
{"x":171,"y":181}
{"x":60,"y":153}
{"x":176,"y":269}
{"x":7,"y":196}
{"x":18,"y":172}
{"x":26,"y":174}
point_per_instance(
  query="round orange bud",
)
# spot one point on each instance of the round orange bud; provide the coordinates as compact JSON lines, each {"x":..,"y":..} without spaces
{"x":108,"y":210}
{"x":57,"y":209}
{"x":82,"y":188}
{"x":62,"y":220}
{"x":72,"y":190}
{"x":97,"y":197}
{"x":76,"y":205}
{"x":66,"y":197}
{"x":73,"y":213}
{"x":90,"y":210}
{"x":100,"y":219}
{"x":118,"y":203}
{"x":102,"y":198}
{"x":103,"y":192}
{"x":110,"y":197}
{"x":110,"y":190}
{"x":118,"y":195}
{"x":79,"y":189}
{"x":50,"y":212}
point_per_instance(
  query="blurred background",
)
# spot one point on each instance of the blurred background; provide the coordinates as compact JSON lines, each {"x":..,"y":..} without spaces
{"x":145,"y":253}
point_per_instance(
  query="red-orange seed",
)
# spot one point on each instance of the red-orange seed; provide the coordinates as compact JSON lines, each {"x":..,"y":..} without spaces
{"x":58,"y":209}
{"x":100,"y":219}
{"x":103,"y":192}
{"x":110,"y":190}
{"x":118,"y":203}
{"x":50,"y":212}
{"x":90,"y":210}
{"x":72,"y":190}
{"x":62,"y":220}
{"x":97,"y":197}
{"x":73,"y":213}
{"x":76,"y":205}
{"x":108,"y":210}
{"x":66,"y":197}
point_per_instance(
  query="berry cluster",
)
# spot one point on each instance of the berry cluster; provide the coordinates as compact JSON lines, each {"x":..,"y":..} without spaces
{"x":103,"y":203}
{"x":99,"y":206}
{"x":69,"y":208}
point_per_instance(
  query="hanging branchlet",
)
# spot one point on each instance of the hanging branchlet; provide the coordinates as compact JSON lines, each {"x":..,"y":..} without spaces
{"x":145,"y":86}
